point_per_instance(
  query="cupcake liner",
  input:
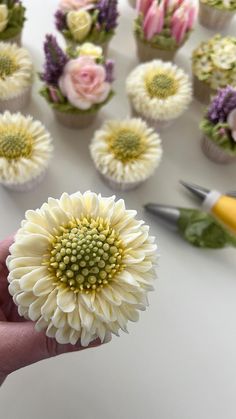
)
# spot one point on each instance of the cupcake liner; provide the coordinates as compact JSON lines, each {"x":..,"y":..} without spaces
{"x":75,"y":120}
{"x":213,"y":18}
{"x":157,"y":124}
{"x":216,"y":153}
{"x":16,"y":103}
{"x":132,"y":3}
{"x":147,"y":52}
{"x":119,"y":186}
{"x":202,"y":91}
{"x":26,"y":186}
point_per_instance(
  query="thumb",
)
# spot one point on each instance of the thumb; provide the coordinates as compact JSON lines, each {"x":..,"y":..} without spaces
{"x":21,"y":345}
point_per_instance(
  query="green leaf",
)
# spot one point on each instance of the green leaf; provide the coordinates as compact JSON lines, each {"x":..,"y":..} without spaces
{"x":16,"y":19}
{"x":212,"y":131}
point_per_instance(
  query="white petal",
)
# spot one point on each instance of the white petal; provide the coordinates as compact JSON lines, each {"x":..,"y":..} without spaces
{"x":66,"y":300}
{"x":86,"y":317}
{"x":35,"y":308}
{"x":63,"y":335}
{"x":51,"y":331}
{"x":74,"y":319}
{"x":50,"y":305}
{"x":23,"y":262}
{"x":41,"y":324}
{"x":59,"y":318}
{"x":25,"y":299}
{"x":28,"y":281}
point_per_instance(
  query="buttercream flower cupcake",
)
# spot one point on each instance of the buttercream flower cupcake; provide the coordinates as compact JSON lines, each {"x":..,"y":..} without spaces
{"x":81,"y":267}
{"x":216,"y":14}
{"x":25,"y":151}
{"x":158,"y":92}
{"x":219,"y":127}
{"x":162,"y":27}
{"x":214,"y":66}
{"x":92,"y":21}
{"x":16,"y":77}
{"x":77,"y":84}
{"x":126,"y":153}
{"x":12,"y":18}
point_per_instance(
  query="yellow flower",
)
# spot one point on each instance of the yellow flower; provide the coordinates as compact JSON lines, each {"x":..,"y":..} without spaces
{"x":79,"y":23}
{"x":91,"y":50}
{"x":3,"y":17}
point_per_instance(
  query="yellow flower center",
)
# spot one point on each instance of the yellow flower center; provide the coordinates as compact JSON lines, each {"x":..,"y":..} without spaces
{"x":161,"y":85}
{"x":86,"y":256}
{"x":126,"y":145}
{"x":8,"y":66}
{"x":15,"y":143}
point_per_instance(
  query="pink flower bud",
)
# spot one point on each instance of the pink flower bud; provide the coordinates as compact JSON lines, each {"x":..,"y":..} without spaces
{"x":154,"y":20}
{"x":179,"y":24}
{"x":142,"y":6}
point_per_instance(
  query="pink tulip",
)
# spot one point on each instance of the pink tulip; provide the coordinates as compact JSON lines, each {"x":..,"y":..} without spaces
{"x":179,"y":24}
{"x":154,"y":20}
{"x":142,"y":6}
{"x":192,"y":16}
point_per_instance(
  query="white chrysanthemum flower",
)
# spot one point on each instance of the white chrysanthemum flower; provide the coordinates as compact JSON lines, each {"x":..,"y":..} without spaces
{"x":81,"y":267}
{"x":25,"y":148}
{"x":126,"y":151}
{"x":16,"y":70}
{"x":158,"y":90}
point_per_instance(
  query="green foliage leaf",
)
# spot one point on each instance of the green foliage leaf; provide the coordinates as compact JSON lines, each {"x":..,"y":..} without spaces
{"x":16,"y":19}
{"x":212,"y":131}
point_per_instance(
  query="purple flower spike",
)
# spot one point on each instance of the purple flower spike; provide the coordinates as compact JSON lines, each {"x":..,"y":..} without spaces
{"x":109,"y":66}
{"x":60,"y":20}
{"x":108,"y":14}
{"x":55,"y":62}
{"x":222,"y":104}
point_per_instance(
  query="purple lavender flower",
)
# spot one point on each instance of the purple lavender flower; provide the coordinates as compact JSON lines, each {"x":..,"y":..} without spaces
{"x":60,"y":20}
{"x":222,"y":104}
{"x":55,"y":62}
{"x":109,"y":66}
{"x":108,"y":14}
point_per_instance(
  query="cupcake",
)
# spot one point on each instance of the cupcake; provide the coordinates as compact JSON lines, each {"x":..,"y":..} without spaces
{"x":158,"y":92}
{"x":81,"y":267}
{"x":77,"y":84}
{"x":12,"y":18}
{"x":162,"y":27}
{"x":214,"y":66}
{"x":25,"y":151}
{"x":219,"y":127}
{"x":126,"y":153}
{"x":16,"y":77}
{"x":216,"y":14}
{"x":132,"y":3}
{"x":92,"y":21}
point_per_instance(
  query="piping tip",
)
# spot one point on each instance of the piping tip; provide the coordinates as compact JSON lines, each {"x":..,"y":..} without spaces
{"x":198,"y":191}
{"x":167,"y":213}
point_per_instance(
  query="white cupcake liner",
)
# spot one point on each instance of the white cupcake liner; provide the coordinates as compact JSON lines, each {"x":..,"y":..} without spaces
{"x":16,"y":103}
{"x":202,"y":91}
{"x":26,"y":186}
{"x":75,"y":120}
{"x":146,"y":52}
{"x":157,"y":124}
{"x":213,"y":18}
{"x":216,"y":153}
{"x":119,"y":186}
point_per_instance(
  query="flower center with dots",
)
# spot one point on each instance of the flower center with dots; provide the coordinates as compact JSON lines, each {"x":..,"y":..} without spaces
{"x":86,"y":256}
{"x":126,"y":145}
{"x":161,"y":85}
{"x":15,"y":143}
{"x":8,"y":66}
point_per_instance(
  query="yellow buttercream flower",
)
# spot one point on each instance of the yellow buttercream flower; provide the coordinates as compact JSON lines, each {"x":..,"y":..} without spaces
{"x":79,"y":23}
{"x":3,"y":17}
{"x":91,"y":50}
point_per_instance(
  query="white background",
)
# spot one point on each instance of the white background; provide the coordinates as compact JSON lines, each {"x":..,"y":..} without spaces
{"x":179,"y":361}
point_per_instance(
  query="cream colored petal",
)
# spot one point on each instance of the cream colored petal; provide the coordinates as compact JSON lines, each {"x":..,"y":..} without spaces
{"x":86,"y":338}
{"x":14,"y":287}
{"x":63,"y":335}
{"x":18,"y":273}
{"x":143,"y":267}
{"x":87,"y":300}
{"x":51,"y":331}
{"x":41,"y":324}
{"x":127,"y":278}
{"x":59,"y":318}
{"x":74,"y":319}
{"x":110,"y":294}
{"x":130,"y":312}
{"x":50,"y":305}
{"x":74,"y":337}
{"x":32,"y":245}
{"x":23,"y":262}
{"x":66,"y":300}
{"x":44,"y":286}
{"x":35,"y":308}
{"x":37,"y":229}
{"x":86,"y":317}
{"x":23,"y":311}
{"x":104,"y":308}
{"x":101,"y":331}
{"x":25,"y":299}
{"x":28,"y":281}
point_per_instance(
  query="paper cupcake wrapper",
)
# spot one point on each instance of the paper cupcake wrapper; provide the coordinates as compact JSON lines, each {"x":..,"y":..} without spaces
{"x":216,"y":153}
{"x":119,"y":186}
{"x":16,"y":103}
{"x":75,"y":121}
{"x":147,"y":52}
{"x":213,"y":18}
{"x":26,"y":186}
{"x":202,"y":91}
{"x":157,"y":124}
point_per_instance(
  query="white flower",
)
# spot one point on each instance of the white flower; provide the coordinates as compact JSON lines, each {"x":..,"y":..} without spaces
{"x":25,"y":148}
{"x":81,"y":267}
{"x":16,"y":70}
{"x":218,"y":79}
{"x":3,"y":17}
{"x":158,"y":90}
{"x":126,"y":151}
{"x":79,"y":23}
{"x":90,"y":49}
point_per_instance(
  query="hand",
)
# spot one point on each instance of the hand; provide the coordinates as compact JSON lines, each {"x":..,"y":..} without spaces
{"x":20,"y":344}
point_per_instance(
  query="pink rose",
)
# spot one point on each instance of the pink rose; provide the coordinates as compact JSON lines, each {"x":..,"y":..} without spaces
{"x":84,"y":83}
{"x":68,"y":5}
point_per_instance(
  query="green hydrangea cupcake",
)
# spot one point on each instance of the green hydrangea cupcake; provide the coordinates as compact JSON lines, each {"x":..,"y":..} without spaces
{"x":216,"y":14}
{"x":12,"y":18}
{"x":214,"y":66}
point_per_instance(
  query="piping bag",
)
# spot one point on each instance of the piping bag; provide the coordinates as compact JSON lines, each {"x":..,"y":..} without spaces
{"x":197,"y":227}
{"x":222,"y":207}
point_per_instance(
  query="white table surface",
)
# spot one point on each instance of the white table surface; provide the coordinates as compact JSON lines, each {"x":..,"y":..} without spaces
{"x":179,"y":361}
